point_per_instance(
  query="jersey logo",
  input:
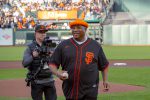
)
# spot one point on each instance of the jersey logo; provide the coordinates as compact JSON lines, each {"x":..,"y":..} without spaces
{"x":89,"y":57}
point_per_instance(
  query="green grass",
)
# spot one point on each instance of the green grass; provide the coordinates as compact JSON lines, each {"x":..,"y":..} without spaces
{"x":125,"y":75}
{"x":130,"y":75}
{"x":139,"y":95}
{"x":11,"y":53}
{"x":112,"y":52}
{"x":12,"y":73}
{"x":127,"y":52}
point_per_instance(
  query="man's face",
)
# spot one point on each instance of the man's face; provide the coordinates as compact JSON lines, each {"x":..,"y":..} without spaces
{"x":78,"y":32}
{"x":40,"y":35}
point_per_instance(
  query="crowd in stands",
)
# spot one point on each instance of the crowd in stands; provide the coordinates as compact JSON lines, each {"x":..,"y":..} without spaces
{"x":18,"y":13}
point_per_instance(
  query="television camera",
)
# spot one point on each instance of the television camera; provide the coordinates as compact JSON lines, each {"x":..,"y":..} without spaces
{"x":46,"y":48}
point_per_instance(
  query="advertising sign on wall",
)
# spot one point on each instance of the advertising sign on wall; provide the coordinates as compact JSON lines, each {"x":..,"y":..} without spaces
{"x":50,"y":15}
{"x":6,"y":37}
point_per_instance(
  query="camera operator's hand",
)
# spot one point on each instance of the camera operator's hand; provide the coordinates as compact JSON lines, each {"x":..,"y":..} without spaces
{"x":35,"y":54}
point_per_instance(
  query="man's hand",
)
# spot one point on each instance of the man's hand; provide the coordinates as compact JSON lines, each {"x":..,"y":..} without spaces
{"x":106,"y":86}
{"x":63,"y":75}
{"x":35,"y":54}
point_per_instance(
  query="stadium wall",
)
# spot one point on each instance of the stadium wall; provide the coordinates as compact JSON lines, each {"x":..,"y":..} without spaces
{"x":6,"y":37}
{"x":112,"y":35}
{"x":126,"y":35}
{"x":23,"y":37}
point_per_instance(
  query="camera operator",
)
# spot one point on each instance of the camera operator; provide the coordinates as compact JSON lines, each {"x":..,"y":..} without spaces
{"x":39,"y":75}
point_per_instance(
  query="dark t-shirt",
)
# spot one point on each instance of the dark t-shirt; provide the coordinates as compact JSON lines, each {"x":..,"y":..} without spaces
{"x":82,"y":62}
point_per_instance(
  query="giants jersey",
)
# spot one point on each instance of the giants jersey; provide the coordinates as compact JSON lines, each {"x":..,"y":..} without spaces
{"x":82,"y":62}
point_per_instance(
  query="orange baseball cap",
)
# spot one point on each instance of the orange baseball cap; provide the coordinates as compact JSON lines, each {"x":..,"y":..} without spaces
{"x":78,"y":22}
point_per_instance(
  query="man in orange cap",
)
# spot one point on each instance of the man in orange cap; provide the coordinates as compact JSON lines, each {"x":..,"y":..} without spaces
{"x":82,"y":58}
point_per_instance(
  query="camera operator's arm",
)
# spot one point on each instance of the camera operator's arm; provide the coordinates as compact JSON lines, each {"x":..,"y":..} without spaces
{"x":28,"y":57}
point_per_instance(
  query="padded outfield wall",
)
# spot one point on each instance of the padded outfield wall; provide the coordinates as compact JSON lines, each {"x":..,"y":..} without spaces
{"x":113,"y":35}
{"x":126,"y":35}
{"x":9,"y":37}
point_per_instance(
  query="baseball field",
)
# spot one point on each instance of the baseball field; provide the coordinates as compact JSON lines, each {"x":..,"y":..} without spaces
{"x":129,"y":65}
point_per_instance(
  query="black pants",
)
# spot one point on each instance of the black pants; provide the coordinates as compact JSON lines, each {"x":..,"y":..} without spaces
{"x":49,"y":91}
